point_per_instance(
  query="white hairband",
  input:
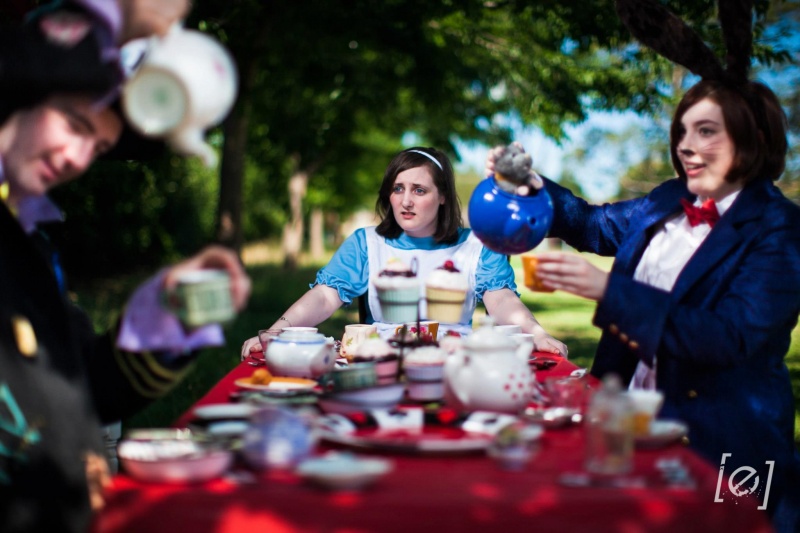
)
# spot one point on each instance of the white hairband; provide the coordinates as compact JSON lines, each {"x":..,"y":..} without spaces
{"x":429,"y":156}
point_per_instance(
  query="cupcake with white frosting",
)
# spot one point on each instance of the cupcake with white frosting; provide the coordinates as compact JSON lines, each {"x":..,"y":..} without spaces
{"x":424,"y":370}
{"x":398,"y":291}
{"x":383,"y":354}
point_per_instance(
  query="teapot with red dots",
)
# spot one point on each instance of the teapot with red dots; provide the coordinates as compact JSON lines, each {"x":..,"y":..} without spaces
{"x":487,"y":374}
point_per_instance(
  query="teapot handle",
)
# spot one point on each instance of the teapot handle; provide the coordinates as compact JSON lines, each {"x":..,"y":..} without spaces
{"x":190,"y":141}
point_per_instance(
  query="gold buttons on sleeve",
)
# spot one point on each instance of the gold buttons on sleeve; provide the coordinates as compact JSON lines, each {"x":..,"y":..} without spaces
{"x":24,"y":335}
{"x":623,"y":337}
{"x":613,"y":329}
{"x":685,"y":440}
{"x":692,"y":394}
{"x":633,"y":345}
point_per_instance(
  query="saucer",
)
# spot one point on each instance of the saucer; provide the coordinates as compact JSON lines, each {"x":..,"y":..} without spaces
{"x":343,"y":471}
{"x":278,"y":385}
{"x":662,"y":433}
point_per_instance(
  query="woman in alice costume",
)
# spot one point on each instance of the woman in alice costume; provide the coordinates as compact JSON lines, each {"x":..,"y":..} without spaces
{"x":421,"y":224}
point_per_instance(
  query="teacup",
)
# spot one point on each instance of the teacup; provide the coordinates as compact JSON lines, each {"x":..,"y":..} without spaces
{"x":186,"y":83}
{"x":508,"y":329}
{"x":201,"y":297}
{"x":646,"y":404}
{"x":355,"y":376}
{"x":532,"y":281}
{"x":427,"y":326}
{"x":355,"y":334}
{"x":526,"y":345}
{"x":568,"y":392}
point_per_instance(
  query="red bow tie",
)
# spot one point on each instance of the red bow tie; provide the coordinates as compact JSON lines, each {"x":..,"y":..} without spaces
{"x":705,"y":213}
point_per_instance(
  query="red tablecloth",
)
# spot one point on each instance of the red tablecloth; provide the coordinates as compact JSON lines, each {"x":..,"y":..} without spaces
{"x":433,"y":493}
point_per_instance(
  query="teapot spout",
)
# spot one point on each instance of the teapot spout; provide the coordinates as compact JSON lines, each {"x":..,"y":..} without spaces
{"x":191,"y":142}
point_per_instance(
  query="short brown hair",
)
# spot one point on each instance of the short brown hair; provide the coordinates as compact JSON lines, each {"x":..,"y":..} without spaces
{"x":448,"y":220}
{"x":755,"y":121}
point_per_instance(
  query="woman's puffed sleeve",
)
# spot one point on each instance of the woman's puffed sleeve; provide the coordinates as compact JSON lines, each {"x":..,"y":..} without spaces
{"x":348,"y":269}
{"x":494,"y":273}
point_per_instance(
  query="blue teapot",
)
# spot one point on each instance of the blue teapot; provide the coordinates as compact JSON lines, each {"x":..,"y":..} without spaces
{"x":508,"y":223}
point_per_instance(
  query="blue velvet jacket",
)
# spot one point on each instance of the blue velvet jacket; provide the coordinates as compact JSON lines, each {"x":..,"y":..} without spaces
{"x":720,"y":336}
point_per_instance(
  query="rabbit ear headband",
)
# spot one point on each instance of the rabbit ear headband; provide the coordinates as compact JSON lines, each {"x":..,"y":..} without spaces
{"x":657,"y":27}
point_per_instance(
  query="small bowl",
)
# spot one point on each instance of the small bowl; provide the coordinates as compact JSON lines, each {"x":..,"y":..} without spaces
{"x":172,"y":461}
{"x":355,"y":401}
{"x":425,"y":391}
{"x":424,"y":372}
{"x":378,"y":395}
{"x":339,"y":471}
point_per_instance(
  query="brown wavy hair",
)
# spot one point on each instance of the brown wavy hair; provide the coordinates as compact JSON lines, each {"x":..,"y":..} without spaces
{"x":755,"y":121}
{"x":449,"y":216}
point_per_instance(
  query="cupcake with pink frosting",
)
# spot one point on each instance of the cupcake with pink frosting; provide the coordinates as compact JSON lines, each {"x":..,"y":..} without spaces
{"x":446,"y":291}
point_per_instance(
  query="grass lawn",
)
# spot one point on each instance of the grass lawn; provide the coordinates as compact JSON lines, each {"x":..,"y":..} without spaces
{"x":566,"y":317}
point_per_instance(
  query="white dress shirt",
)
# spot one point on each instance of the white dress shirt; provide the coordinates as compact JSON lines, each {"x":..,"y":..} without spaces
{"x":668,"y":252}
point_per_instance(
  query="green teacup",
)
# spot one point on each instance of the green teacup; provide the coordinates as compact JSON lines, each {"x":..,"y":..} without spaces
{"x":201,"y":297}
{"x":354,"y":376}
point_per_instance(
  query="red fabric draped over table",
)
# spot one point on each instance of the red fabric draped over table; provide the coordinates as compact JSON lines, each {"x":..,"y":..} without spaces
{"x":437,"y":493}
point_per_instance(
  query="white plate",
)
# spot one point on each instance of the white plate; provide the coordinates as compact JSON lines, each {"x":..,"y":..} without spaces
{"x":333,"y":405}
{"x":343,"y":471}
{"x":228,"y":428}
{"x":404,"y":430}
{"x":278,"y":384}
{"x":379,"y":395}
{"x":222,"y":411}
{"x":662,"y":433}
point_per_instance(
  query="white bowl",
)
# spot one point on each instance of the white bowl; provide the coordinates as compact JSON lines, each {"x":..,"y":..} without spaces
{"x":343,"y":471}
{"x":425,"y":391}
{"x":424,"y":372}
{"x":377,"y":395}
{"x":331,"y":406}
{"x":179,"y":461}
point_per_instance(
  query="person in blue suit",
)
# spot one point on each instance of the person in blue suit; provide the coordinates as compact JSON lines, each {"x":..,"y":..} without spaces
{"x":704,"y":291}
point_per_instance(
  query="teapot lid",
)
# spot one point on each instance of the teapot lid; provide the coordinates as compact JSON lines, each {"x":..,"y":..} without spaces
{"x":301,"y":336}
{"x":485,"y":338}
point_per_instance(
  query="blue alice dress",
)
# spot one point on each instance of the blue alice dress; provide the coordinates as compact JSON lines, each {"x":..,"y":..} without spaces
{"x":362,"y":256}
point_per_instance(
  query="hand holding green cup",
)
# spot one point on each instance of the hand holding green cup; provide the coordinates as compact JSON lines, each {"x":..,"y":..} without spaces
{"x":201,"y":297}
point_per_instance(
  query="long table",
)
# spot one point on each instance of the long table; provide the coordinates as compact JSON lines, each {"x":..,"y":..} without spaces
{"x":434,"y":493}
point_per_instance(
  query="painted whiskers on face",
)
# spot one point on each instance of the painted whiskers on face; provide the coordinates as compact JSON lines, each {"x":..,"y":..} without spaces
{"x":706,"y":151}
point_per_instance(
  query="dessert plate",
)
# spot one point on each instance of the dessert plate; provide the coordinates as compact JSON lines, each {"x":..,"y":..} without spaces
{"x":224,"y":411}
{"x":662,"y":433}
{"x":278,"y":385}
{"x":413,"y":430}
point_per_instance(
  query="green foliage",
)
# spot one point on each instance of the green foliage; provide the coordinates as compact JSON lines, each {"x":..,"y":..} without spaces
{"x":137,"y":214}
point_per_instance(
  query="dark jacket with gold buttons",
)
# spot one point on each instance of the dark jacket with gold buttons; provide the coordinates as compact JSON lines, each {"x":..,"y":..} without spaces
{"x":721,"y":334}
{"x":58,"y":382}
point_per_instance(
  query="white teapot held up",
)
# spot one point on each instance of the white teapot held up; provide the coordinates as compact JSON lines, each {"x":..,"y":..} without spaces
{"x":185,"y":83}
{"x":488,"y":374}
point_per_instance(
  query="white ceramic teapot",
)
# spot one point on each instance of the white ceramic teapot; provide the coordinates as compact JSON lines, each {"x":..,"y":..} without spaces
{"x":301,"y":354}
{"x":186,"y":83}
{"x":488,"y":374}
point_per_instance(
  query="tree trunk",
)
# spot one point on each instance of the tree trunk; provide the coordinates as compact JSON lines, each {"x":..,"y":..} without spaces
{"x":229,"y":214}
{"x":316,"y":235}
{"x":293,"y":230}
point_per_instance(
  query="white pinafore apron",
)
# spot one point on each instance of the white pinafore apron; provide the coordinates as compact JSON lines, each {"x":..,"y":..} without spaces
{"x":464,"y":256}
